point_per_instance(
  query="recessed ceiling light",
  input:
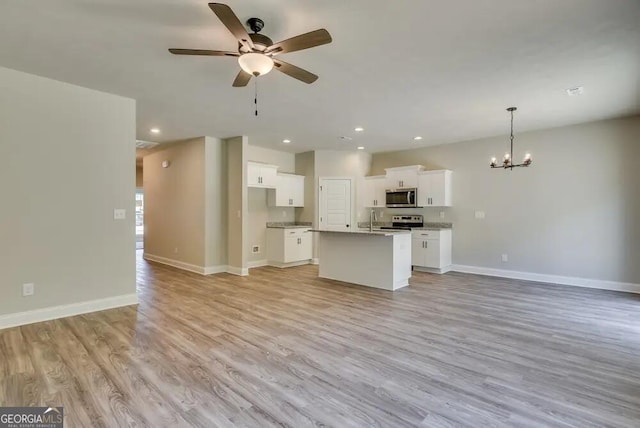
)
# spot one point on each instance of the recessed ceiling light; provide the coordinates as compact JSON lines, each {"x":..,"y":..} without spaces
{"x":359,"y":129}
{"x":418,"y":138}
{"x":360,"y":148}
{"x":155,"y":130}
{"x":286,"y":141}
{"x":578,"y":90}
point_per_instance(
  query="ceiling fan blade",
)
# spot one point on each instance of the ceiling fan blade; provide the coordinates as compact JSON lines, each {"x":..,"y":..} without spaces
{"x":303,"y":41}
{"x":242,"y":79}
{"x":233,"y":24}
{"x":295,"y":72}
{"x":202,"y":52}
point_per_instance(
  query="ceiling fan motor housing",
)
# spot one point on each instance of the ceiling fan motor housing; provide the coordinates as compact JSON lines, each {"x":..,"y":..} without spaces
{"x":260,"y":41}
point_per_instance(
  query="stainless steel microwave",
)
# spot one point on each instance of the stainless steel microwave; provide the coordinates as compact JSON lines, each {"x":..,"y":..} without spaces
{"x":402,"y":198}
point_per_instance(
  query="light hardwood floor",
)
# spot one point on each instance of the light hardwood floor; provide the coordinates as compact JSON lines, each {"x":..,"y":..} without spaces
{"x":282,"y":347}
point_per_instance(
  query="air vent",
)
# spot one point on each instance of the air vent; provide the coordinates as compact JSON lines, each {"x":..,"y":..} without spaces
{"x":578,"y":90}
{"x":140,"y":144}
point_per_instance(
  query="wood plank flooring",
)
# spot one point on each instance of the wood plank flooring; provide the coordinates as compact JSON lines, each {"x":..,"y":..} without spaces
{"x":285,"y":348}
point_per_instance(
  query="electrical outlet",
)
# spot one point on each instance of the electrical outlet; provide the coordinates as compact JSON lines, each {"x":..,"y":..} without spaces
{"x":119,"y":214}
{"x":175,"y":250}
{"x":28,"y":289}
{"x":441,"y":214}
{"x":284,"y":213}
{"x":505,"y":258}
{"x":255,"y":249}
{"x":479,"y":215}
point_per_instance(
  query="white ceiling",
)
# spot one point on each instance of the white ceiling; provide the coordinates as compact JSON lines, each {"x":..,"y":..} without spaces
{"x":445,"y":70}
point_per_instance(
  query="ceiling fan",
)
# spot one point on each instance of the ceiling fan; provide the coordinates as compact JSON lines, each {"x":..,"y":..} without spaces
{"x":257,"y":52}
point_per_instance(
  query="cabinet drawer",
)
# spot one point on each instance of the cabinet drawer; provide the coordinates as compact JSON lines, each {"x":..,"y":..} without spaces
{"x":298,"y":231}
{"x":425,"y":234}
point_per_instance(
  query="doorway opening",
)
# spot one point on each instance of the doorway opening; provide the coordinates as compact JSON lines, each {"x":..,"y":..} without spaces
{"x":139,"y":219}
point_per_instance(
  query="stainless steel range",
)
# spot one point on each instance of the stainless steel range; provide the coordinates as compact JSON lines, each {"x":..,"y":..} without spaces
{"x":405,"y":222}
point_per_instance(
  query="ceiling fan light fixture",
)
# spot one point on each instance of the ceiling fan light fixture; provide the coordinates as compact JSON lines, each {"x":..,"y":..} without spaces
{"x":256,"y":64}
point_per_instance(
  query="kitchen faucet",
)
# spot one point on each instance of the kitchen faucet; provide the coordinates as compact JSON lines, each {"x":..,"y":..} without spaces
{"x":372,"y":217}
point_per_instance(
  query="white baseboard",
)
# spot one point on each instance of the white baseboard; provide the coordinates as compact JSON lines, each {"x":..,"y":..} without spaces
{"x":175,"y":263}
{"x":290,"y":264}
{"x":202,"y":270}
{"x":237,"y":271}
{"x":257,"y":263}
{"x":62,"y":311}
{"x":315,"y":261}
{"x":210,"y":270}
{"x":552,"y":279}
{"x":439,"y":271}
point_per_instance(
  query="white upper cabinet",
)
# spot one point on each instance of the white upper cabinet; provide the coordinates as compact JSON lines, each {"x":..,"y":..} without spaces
{"x":373,"y":191}
{"x":434,"y":188}
{"x":402,"y":177}
{"x":288,"y":192}
{"x":261,"y":175}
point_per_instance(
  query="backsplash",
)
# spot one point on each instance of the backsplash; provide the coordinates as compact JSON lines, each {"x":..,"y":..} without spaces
{"x":431,"y":215}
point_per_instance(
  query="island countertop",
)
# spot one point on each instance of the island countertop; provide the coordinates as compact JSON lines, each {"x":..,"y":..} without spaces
{"x":379,"y":259}
{"x":374,"y":232}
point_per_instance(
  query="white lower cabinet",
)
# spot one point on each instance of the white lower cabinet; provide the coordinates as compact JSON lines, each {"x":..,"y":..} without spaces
{"x":289,"y":246}
{"x":431,"y":250}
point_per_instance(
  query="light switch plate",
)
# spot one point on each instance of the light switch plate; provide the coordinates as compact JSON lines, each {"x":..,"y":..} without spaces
{"x":28,"y":289}
{"x":119,"y":214}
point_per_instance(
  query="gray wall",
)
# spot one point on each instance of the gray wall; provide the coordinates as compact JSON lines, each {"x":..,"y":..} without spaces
{"x":305,"y":165}
{"x":575,"y":212}
{"x":69,"y":160}
{"x":175,"y":202}
{"x":237,"y":213}
{"x":216,"y":202}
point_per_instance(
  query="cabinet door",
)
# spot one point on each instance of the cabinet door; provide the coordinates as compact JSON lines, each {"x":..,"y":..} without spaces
{"x":283,"y":191}
{"x":253,"y":175}
{"x":394,"y":180}
{"x":432,"y":253}
{"x":438,"y":189}
{"x":306,"y":247}
{"x":409,"y":178}
{"x":417,"y":252}
{"x":434,"y":189}
{"x":368,"y":191}
{"x":424,"y":190}
{"x":269,"y":176}
{"x":291,"y":247}
{"x":379,"y":192}
{"x":296,"y":187}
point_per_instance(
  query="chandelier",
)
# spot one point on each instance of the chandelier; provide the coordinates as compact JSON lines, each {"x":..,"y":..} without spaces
{"x":507,"y":160}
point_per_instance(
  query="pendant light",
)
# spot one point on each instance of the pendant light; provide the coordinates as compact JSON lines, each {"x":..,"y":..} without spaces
{"x":507,"y":160}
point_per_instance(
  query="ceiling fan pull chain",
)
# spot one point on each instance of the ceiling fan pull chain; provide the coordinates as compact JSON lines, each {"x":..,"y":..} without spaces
{"x":255,"y":100}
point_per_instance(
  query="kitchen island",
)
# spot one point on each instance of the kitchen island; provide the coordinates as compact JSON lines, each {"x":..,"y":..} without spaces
{"x":379,"y":258}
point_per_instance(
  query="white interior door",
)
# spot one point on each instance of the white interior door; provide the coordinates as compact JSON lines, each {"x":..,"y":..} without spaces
{"x":335,"y":204}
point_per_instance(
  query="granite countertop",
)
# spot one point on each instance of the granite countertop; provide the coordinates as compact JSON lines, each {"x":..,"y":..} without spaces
{"x":375,"y":232}
{"x":434,"y":226}
{"x":427,"y":225}
{"x":288,"y":225}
